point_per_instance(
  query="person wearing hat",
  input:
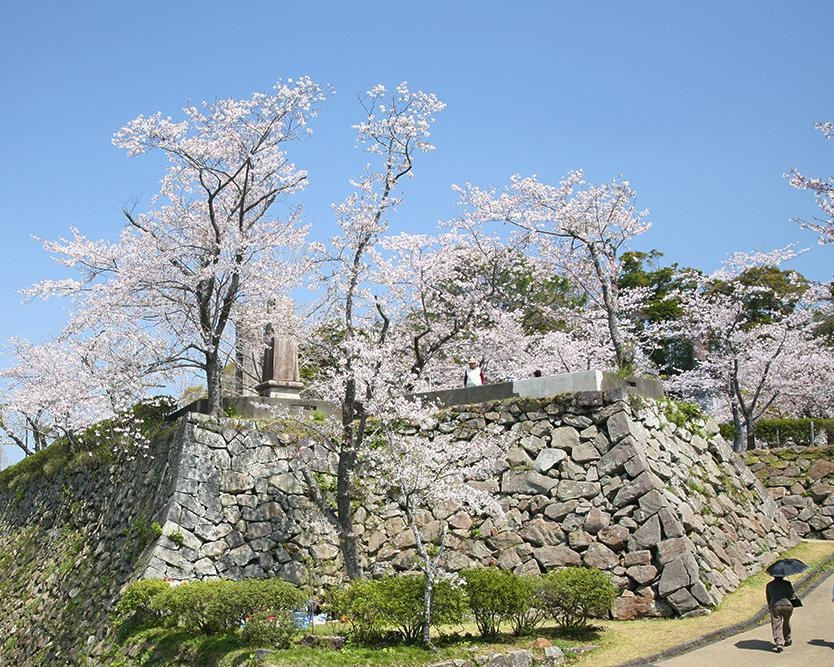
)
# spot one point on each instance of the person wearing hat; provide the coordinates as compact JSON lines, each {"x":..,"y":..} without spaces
{"x":474,"y":375}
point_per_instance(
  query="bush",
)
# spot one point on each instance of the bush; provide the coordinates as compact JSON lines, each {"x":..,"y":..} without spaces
{"x":360,"y":603}
{"x":573,"y":595}
{"x":137,"y":601}
{"x":402,"y":604}
{"x":274,"y":628}
{"x":498,"y":595}
{"x":219,"y":606}
{"x":397,"y":602}
{"x":524,"y":621}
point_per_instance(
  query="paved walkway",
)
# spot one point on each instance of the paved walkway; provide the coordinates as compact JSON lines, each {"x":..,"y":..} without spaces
{"x":813,"y":640}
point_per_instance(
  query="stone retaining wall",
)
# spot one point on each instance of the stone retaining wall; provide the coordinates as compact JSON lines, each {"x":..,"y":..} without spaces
{"x":673,"y":516}
{"x":801,"y":480}
{"x":670,"y":512}
{"x":69,"y":542}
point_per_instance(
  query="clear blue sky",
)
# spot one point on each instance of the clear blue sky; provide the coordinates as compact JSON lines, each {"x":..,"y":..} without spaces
{"x":702,"y":106}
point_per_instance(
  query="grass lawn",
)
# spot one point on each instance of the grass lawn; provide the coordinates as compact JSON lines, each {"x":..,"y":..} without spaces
{"x":617,"y":642}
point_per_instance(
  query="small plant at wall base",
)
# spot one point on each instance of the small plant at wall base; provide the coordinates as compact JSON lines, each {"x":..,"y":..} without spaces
{"x":574,"y":595}
{"x":497,"y":596}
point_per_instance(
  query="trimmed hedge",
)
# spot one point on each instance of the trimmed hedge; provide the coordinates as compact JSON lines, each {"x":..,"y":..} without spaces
{"x":137,"y":601}
{"x":778,"y":432}
{"x":209,"y":607}
{"x":372,"y":606}
{"x":574,"y":595}
{"x":496,"y":596}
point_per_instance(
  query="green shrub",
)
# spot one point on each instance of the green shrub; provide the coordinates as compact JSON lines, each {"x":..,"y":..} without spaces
{"x":680,"y":413}
{"x":498,"y":595}
{"x":397,"y":603}
{"x":728,"y":431}
{"x":360,"y":603}
{"x":137,"y":601}
{"x":402,"y":604}
{"x":525,"y":621}
{"x":573,"y":595}
{"x":218,"y":606}
{"x":274,"y":628}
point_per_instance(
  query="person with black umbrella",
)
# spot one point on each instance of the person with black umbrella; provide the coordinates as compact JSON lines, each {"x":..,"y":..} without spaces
{"x":781,"y":600}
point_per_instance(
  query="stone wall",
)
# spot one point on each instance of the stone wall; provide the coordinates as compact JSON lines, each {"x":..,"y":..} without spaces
{"x":801,"y":480}
{"x":668,"y":511}
{"x":70,"y":538}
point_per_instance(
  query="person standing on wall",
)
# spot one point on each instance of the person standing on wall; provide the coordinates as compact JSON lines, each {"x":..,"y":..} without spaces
{"x":474,"y":375}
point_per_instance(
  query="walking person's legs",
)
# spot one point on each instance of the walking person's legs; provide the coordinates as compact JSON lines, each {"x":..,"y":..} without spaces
{"x":780,"y":625}
{"x":787,"y":612}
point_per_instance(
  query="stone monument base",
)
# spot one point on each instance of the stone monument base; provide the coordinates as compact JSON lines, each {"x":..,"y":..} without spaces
{"x":280,"y":389}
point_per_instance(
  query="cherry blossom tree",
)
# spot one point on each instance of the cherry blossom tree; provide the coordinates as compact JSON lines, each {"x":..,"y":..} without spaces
{"x":362,"y":374}
{"x":213,"y":250}
{"x":420,"y":473}
{"x":752,"y":366}
{"x":580,"y":230}
{"x":59,"y":388}
{"x":823,"y":189}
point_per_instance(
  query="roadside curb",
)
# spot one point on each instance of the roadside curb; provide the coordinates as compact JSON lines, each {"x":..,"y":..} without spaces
{"x":805,"y":585}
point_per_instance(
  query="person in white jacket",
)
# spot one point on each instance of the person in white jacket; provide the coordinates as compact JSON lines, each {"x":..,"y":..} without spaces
{"x":474,"y":375}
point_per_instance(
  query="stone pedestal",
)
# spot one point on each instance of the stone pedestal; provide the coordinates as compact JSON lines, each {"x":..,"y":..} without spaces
{"x":280,"y":377}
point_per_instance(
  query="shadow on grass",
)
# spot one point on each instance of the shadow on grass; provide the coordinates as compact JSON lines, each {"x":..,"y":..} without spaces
{"x":163,"y":646}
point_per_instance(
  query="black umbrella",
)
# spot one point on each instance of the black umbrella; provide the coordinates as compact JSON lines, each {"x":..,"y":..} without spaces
{"x":786,"y":567}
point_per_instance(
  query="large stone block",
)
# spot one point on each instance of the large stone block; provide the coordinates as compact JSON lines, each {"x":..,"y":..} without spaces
{"x":548,"y":459}
{"x":599,"y":556}
{"x":556,"y":556}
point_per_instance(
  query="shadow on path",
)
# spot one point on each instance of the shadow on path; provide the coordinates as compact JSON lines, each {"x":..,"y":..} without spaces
{"x":755,"y":645}
{"x":821,"y":642}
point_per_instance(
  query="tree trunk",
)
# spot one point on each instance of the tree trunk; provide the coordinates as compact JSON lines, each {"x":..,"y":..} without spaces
{"x":625,"y":356}
{"x":428,"y":567}
{"x":748,"y":427}
{"x":214,"y":385}
{"x":344,"y":512}
{"x":428,"y":589}
{"x":738,"y":441}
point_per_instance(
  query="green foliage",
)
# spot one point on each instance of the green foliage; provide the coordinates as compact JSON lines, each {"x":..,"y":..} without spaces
{"x":137,"y":601}
{"x":728,"y":431}
{"x":143,"y":531}
{"x":397,"y":602}
{"x":177,"y":537}
{"x":231,"y":412}
{"x":218,"y":606}
{"x":498,"y":595}
{"x":525,"y":621}
{"x":275,"y":628}
{"x":574,"y":595}
{"x":360,"y":602}
{"x":680,"y":413}
{"x":780,"y":290}
{"x":642,"y":270}
{"x":778,"y":432}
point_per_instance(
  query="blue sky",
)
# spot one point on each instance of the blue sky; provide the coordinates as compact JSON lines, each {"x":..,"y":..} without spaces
{"x":702,"y":106}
